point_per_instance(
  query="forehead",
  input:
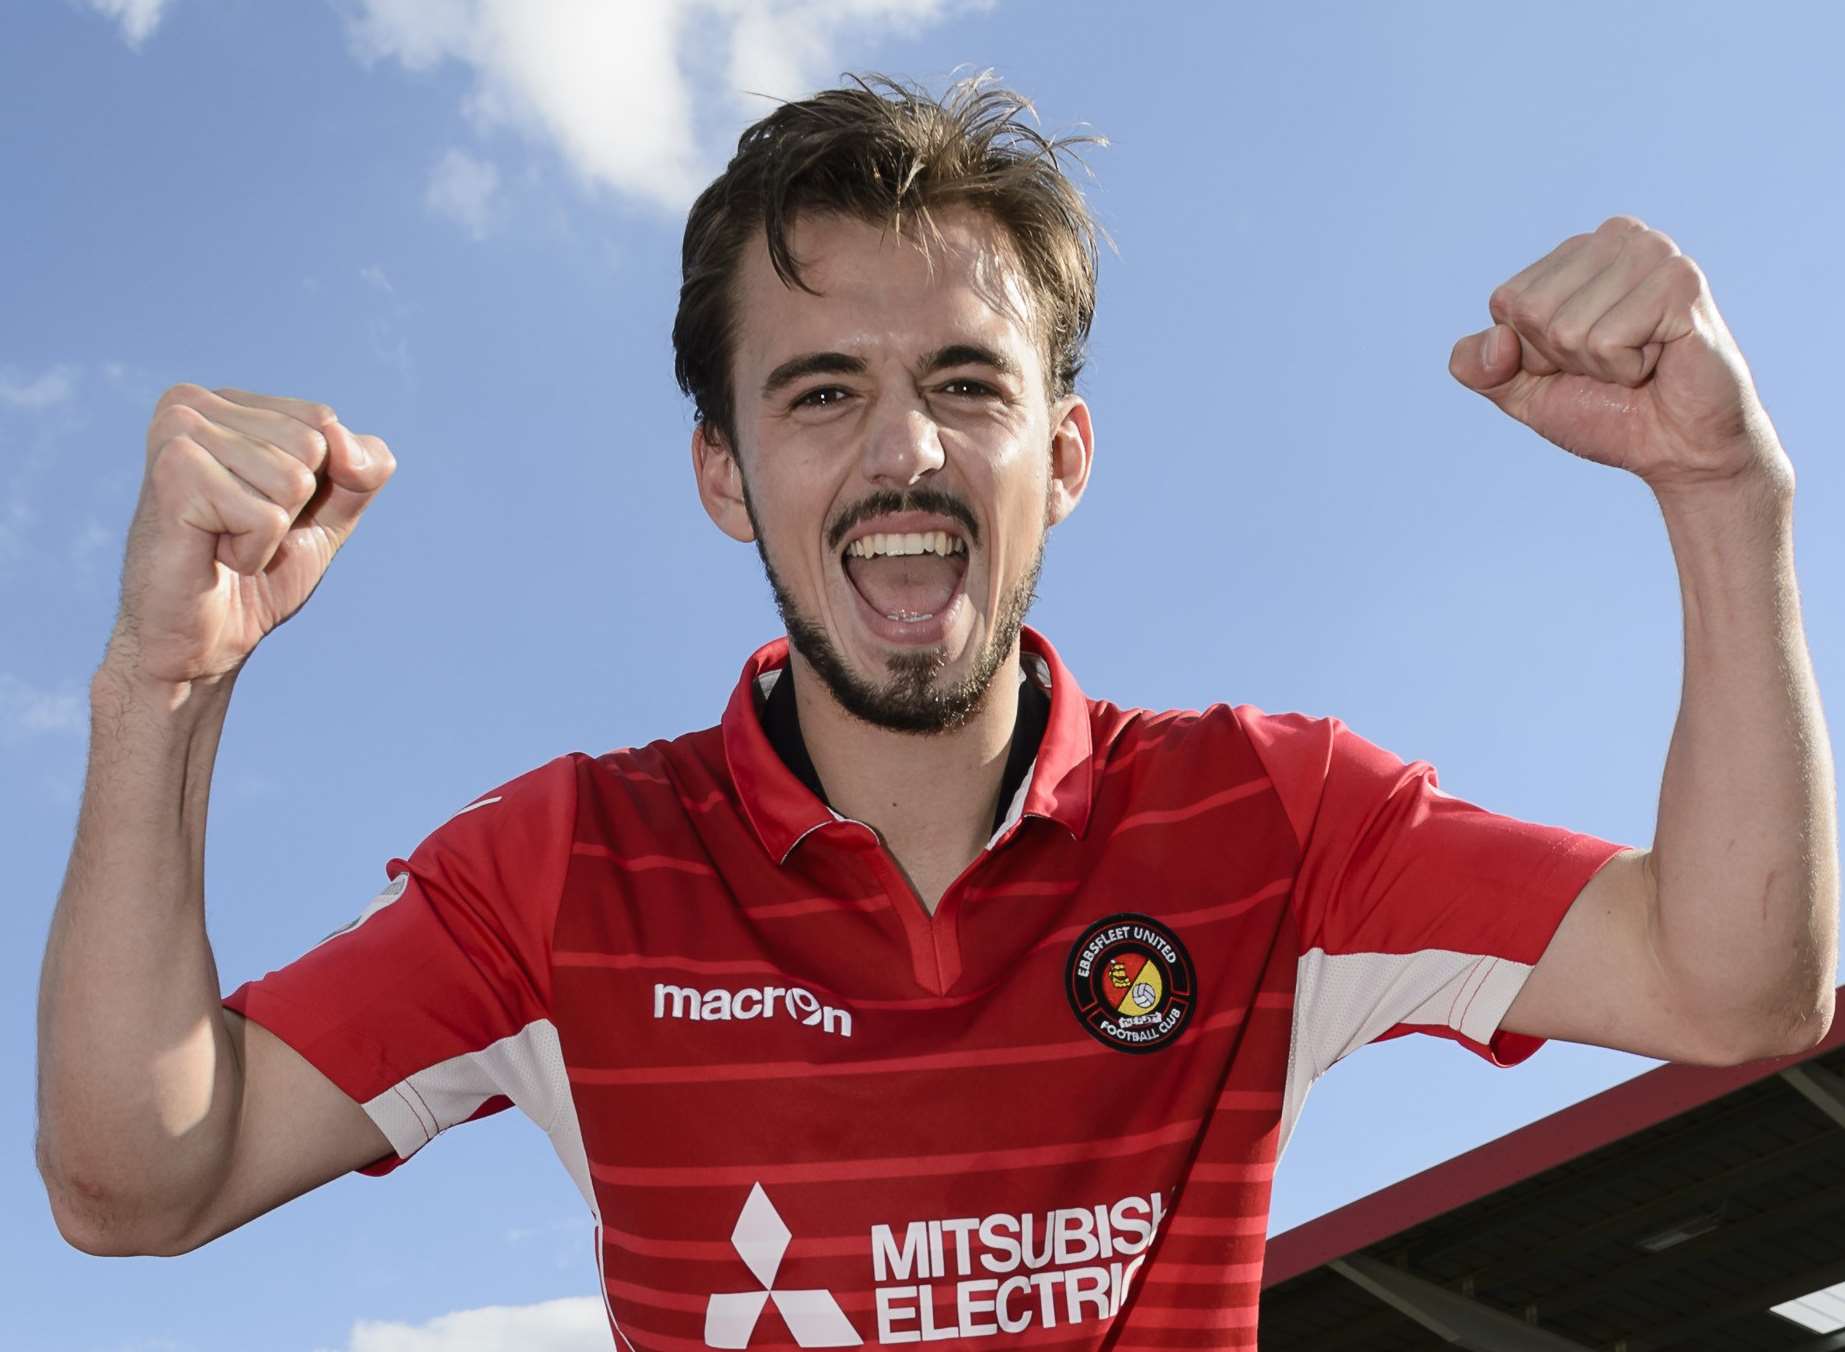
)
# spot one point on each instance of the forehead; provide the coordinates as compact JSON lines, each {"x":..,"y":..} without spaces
{"x":875,"y":291}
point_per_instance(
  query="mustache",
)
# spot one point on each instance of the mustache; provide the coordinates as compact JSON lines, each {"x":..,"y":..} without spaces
{"x":890,"y":502}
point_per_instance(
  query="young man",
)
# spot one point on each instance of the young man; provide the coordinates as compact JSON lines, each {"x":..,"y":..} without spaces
{"x":923,"y":997}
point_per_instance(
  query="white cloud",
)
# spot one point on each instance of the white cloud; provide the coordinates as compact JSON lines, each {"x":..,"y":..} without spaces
{"x":462,"y":188}
{"x":54,"y":387}
{"x":644,"y":98}
{"x":138,"y":18}
{"x":26,"y":710}
{"x":577,"y":1324}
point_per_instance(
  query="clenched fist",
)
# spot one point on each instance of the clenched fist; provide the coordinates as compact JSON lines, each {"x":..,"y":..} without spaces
{"x":245,"y":500}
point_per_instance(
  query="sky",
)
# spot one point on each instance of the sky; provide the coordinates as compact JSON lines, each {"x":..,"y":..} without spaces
{"x":458,"y":222}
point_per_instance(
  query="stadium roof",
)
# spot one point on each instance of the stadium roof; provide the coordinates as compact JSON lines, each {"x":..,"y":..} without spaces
{"x":1672,"y":1211}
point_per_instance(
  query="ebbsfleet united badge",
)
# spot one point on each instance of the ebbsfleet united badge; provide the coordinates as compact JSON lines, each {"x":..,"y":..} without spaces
{"x":1130,"y":981}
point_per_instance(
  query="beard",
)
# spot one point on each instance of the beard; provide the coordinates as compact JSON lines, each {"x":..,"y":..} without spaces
{"x":913,"y":697}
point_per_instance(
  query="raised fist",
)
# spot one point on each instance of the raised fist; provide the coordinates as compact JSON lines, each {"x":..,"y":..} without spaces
{"x":245,"y":500}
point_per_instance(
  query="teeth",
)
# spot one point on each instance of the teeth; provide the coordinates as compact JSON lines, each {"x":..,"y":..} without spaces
{"x":903,"y":617}
{"x":912,"y":542}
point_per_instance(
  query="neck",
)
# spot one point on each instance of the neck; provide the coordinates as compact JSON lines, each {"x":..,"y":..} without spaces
{"x":931,"y":796}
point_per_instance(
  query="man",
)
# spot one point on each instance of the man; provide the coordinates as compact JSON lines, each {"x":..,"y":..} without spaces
{"x":923,"y":997}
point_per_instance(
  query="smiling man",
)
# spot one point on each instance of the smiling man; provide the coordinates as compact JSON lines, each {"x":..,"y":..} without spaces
{"x":923,"y":997}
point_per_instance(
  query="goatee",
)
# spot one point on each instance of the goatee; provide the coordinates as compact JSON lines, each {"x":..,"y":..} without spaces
{"x":914,"y":698}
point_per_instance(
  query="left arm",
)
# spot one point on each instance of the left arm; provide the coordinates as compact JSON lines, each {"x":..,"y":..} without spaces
{"x":1719,"y":944}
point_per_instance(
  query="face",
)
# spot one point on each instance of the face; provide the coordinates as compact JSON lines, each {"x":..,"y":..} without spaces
{"x":898,"y":462}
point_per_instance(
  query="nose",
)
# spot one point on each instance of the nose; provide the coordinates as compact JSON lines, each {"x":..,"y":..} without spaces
{"x":902,"y":445}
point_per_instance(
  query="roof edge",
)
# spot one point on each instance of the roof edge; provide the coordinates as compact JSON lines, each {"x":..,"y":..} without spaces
{"x":1630,"y":1106}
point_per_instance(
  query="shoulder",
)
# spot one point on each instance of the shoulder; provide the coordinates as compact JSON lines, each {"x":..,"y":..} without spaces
{"x":1299,"y":755}
{"x":1277,"y":738}
{"x":531,"y":810}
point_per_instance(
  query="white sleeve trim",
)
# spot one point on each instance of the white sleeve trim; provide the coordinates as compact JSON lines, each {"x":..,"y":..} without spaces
{"x":1344,"y":1000}
{"x":527,"y":1067}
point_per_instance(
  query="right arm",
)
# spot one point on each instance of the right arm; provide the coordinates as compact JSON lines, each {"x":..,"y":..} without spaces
{"x":164,"y":1119}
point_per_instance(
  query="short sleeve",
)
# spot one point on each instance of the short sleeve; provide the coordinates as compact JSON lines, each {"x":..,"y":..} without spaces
{"x":431,"y":1007}
{"x":1418,"y":911}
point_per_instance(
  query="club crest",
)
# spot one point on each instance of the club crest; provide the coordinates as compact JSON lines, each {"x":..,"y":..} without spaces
{"x":1131,"y":983}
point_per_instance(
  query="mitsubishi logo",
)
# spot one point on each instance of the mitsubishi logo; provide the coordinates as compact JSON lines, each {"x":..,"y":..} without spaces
{"x":813,"y":1317}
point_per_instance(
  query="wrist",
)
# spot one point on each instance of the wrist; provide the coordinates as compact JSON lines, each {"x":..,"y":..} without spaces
{"x":1763,"y":491}
{"x":122,"y":685}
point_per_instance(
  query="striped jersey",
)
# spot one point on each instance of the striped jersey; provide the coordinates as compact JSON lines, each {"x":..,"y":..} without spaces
{"x":805,"y":1112}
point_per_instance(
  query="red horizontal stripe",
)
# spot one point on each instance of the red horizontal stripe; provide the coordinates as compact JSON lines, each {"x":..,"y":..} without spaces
{"x":781,"y":910}
{"x":1024,"y":889}
{"x":1248,"y":1100}
{"x":1240,"y":1315}
{"x":1181,"y":919}
{"x":674,"y":1300}
{"x":1118,"y":759}
{"x":640,"y":776}
{"x":722,"y":1251}
{"x":893,"y":1167}
{"x":1198,"y":1274}
{"x":1034,"y":1054}
{"x":641,"y":862}
{"x":1161,"y":817}
{"x":1087,"y":1332}
{"x":1219,"y":1226}
{"x":660,"y":1300}
{"x":1231,"y":1173}
{"x":709,"y":966}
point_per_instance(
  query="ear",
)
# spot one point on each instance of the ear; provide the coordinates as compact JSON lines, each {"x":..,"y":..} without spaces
{"x":1072,"y":453}
{"x":720,"y":483}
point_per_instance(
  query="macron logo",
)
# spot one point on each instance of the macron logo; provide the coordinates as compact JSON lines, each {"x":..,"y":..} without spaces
{"x":752,"y":1002}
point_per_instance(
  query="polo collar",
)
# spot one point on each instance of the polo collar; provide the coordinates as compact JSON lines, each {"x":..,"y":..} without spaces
{"x":782,"y":810}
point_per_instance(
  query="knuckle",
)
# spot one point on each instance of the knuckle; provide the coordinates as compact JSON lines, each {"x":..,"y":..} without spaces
{"x":186,"y":418}
{"x":1602,"y":346}
{"x":1521,"y":312}
{"x":175,"y":466}
{"x":273,"y":519}
{"x":1567,"y":335}
{"x":1621,"y":225}
{"x":321,"y":414}
{"x":305,"y":446}
{"x":178,"y":394}
{"x":381,"y":453}
{"x":1686,"y":277}
{"x":301,"y":483}
{"x":1499,"y":304}
{"x":176,"y":454}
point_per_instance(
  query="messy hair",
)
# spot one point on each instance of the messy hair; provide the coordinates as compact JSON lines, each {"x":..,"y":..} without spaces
{"x":888,"y":153}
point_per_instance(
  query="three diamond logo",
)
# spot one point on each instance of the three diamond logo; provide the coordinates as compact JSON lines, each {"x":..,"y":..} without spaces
{"x":813,"y":1316}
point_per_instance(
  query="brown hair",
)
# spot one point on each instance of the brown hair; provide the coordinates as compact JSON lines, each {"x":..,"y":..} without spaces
{"x":882,"y":150}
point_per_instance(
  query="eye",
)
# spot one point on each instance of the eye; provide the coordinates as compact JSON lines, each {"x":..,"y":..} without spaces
{"x":826,"y":396}
{"x":968,"y":387}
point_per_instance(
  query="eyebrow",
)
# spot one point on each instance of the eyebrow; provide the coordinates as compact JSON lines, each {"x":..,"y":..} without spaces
{"x":811,"y":364}
{"x":969,"y":354}
{"x":845,"y":364}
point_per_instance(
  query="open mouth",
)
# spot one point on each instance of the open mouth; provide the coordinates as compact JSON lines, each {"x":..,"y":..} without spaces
{"x":908,"y":579}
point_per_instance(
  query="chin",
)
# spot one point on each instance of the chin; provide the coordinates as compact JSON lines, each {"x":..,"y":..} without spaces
{"x":919,"y":689}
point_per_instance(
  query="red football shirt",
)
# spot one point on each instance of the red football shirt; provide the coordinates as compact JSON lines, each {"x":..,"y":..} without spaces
{"x":806,"y":1113}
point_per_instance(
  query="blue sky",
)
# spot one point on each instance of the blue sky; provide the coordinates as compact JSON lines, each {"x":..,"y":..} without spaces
{"x":458,"y":223}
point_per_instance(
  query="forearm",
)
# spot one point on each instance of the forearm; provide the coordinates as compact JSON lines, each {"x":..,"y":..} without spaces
{"x":138,"y":1081}
{"x":1746,"y":850}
